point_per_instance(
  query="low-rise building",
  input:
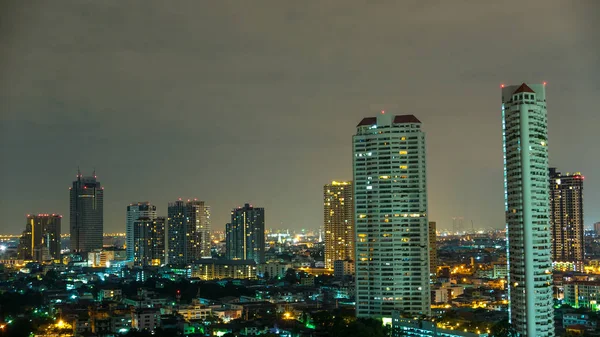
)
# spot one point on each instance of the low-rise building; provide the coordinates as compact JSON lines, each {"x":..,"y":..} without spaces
{"x":572,"y":319}
{"x":145,"y":319}
{"x":273,"y":269}
{"x":213,"y":269}
{"x":582,"y":294}
{"x":194,"y":311}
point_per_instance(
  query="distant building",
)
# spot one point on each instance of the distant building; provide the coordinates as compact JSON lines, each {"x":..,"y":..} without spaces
{"x":145,"y":319}
{"x":597,"y":228}
{"x":390,"y":197}
{"x":213,"y":269}
{"x":40,"y":240}
{"x":245,"y":234}
{"x":338,"y":223}
{"x":420,"y":328}
{"x":343,"y":268}
{"x":527,"y":209}
{"x":86,"y":214}
{"x":582,"y":294}
{"x":194,"y":311}
{"x":149,"y":241}
{"x":566,"y":219}
{"x":273,"y":269}
{"x":188,"y":231}
{"x":104,"y":257}
{"x":432,"y":248}
{"x":134,"y":212}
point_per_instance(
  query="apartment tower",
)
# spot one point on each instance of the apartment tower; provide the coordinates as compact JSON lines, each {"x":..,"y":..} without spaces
{"x":529,"y":245}
{"x":390,"y":198}
{"x":338,"y":222}
{"x":245,"y":234}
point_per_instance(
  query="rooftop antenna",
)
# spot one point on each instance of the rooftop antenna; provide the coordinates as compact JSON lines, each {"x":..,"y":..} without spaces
{"x":78,"y":172}
{"x":94,"y":174}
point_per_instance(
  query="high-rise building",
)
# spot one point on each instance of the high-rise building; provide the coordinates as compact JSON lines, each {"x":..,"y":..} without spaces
{"x":40,"y":240}
{"x":338,"y":222}
{"x":245,"y":234}
{"x":188,"y":231}
{"x":86,"y":214}
{"x":566,"y":219}
{"x":525,"y":145}
{"x":597,"y":228}
{"x":149,"y":241}
{"x":136,"y":211}
{"x":390,"y":198}
{"x":432,"y":248}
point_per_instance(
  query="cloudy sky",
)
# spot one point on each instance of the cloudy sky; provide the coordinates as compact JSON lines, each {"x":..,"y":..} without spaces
{"x":256,"y":101}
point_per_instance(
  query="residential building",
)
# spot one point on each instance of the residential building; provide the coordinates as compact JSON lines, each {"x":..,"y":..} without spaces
{"x":188,"y":231}
{"x":343,"y":268}
{"x":245,"y":234}
{"x":40,"y":240}
{"x":421,"y":328}
{"x":273,"y":269}
{"x":86,"y":214}
{"x":149,"y":241}
{"x":570,"y":319}
{"x":194,"y":311}
{"x":432,"y":249}
{"x":525,"y":146}
{"x":338,"y":223}
{"x":582,"y":294}
{"x":134,"y":212}
{"x":145,"y":319}
{"x":213,"y":269}
{"x":390,"y":198}
{"x":566,"y":219}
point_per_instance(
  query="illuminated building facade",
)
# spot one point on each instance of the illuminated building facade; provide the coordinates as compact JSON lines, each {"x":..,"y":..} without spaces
{"x":188,"y":231}
{"x":149,"y":241}
{"x":40,"y":240}
{"x":529,"y":245}
{"x":390,"y":198}
{"x":566,"y":219}
{"x":136,"y":211}
{"x":245,"y":234}
{"x":338,"y":223}
{"x":86,"y":214}
{"x":432,"y":249}
{"x":213,"y":269}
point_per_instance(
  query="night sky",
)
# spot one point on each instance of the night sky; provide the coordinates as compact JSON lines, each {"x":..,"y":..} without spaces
{"x":257,"y":101}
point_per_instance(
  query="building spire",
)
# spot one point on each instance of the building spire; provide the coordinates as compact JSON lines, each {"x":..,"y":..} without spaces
{"x":78,"y":172}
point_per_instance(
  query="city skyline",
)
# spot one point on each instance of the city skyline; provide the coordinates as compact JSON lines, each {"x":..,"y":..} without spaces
{"x":234,"y":79}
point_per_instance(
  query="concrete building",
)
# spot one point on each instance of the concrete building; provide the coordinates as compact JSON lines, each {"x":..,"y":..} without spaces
{"x":40,"y":240}
{"x":194,"y":311}
{"x":566,"y":219}
{"x":245,"y":234}
{"x":525,"y":145}
{"x":273,"y":269}
{"x":188,"y":231}
{"x":149,"y":241}
{"x":134,"y":212}
{"x":390,"y":198}
{"x":212,"y":269}
{"x":338,"y":222}
{"x":343,"y":269}
{"x":432,"y":249}
{"x":86,"y":214}
{"x":145,"y":319}
{"x":582,"y":294}
{"x":418,"y":328}
{"x":597,"y":228}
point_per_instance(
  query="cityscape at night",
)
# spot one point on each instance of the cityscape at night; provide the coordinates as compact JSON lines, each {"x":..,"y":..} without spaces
{"x":299,"y":169}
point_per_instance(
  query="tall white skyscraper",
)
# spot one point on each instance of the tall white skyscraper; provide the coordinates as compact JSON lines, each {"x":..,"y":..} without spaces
{"x":525,"y":144}
{"x":136,"y":211}
{"x":390,"y":198}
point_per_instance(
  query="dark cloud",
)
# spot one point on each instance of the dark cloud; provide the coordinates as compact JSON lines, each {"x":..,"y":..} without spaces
{"x":237,"y":101}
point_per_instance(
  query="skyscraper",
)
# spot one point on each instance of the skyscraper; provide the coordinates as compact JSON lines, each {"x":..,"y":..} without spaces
{"x":390,"y":198}
{"x":86,"y":214}
{"x":188,"y":231}
{"x":432,"y":248}
{"x":40,"y":240}
{"x":566,"y":219}
{"x":245,"y":234}
{"x":136,"y":211}
{"x":149,"y":241}
{"x":338,"y":222}
{"x":525,"y":145}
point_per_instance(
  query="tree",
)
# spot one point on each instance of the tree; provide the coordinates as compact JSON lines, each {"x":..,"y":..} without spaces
{"x":290,"y":276}
{"x":502,"y":329}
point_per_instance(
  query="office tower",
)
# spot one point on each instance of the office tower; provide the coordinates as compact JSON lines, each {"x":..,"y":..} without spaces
{"x":188,"y":231}
{"x":40,"y":240}
{"x":525,"y":145}
{"x":136,"y":211}
{"x":338,"y":222}
{"x":432,"y":248}
{"x":597,"y":228}
{"x":149,"y":241}
{"x":245,"y":234}
{"x":566,"y":220}
{"x":87,"y":214}
{"x":390,"y":198}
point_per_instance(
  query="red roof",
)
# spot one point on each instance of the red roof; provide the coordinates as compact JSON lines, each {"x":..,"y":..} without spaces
{"x":406,"y":119}
{"x":401,"y":119}
{"x":368,"y":121}
{"x":523,"y":88}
